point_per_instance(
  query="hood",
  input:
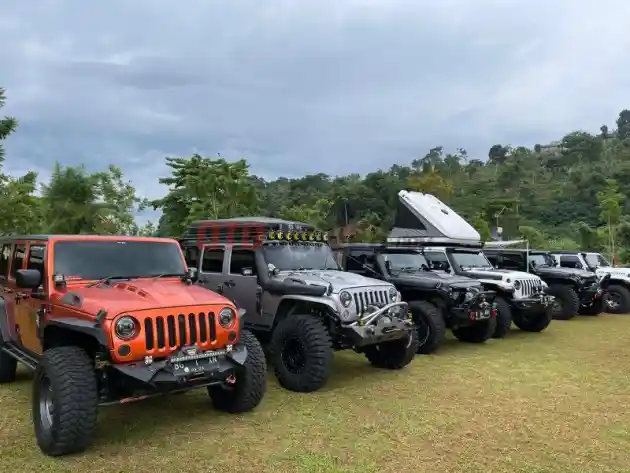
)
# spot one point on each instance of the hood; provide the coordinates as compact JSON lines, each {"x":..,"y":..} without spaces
{"x":338,"y":279}
{"x":435,"y":277}
{"x":141,"y":294}
{"x":564,"y":272}
{"x":502,"y":274}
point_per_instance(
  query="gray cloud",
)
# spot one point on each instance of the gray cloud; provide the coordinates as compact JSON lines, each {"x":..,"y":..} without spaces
{"x":303,"y":86}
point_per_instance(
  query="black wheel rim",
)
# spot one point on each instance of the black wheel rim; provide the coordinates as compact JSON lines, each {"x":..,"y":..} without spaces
{"x":556,"y":306}
{"x":46,"y":403}
{"x":613,"y":300}
{"x":293,"y":355}
{"x":423,"y":329}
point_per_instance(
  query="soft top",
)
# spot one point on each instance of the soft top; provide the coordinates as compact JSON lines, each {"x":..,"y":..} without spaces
{"x":425,"y":219}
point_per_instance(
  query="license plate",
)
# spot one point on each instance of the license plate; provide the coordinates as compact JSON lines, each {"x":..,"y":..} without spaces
{"x":482,"y":314}
{"x":195,"y":366}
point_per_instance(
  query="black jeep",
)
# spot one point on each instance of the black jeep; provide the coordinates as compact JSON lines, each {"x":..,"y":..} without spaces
{"x":575,"y":291}
{"x":436,"y":300}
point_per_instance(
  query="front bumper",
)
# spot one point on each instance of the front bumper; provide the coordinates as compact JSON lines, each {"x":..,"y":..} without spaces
{"x":477,"y":310}
{"x":384,"y":325}
{"x":591,"y":294}
{"x":188,"y":367}
{"x":535,"y":302}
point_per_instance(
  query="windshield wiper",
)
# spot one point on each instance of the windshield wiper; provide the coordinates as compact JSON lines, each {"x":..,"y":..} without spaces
{"x":109,"y":278}
{"x":168,"y":275}
{"x":410,"y":269}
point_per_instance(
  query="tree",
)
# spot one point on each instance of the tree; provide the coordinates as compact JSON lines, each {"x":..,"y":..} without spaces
{"x":204,"y":188}
{"x":75,"y":201}
{"x":7,"y":125}
{"x":610,"y":202}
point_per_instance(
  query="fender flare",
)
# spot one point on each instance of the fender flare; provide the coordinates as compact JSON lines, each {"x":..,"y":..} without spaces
{"x":86,"y":327}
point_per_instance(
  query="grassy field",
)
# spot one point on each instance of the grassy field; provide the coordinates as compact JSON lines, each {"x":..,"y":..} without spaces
{"x":550,"y":402}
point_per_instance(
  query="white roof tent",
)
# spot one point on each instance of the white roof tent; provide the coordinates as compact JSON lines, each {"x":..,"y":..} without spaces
{"x":424,"y":219}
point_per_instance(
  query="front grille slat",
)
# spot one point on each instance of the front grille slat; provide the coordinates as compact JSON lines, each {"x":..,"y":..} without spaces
{"x":369,"y":297}
{"x":176,"y":330}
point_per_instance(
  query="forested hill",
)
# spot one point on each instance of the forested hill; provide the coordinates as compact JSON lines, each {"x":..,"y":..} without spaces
{"x":569,"y":194}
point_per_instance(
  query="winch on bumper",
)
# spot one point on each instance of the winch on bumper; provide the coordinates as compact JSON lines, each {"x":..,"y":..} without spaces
{"x":590,"y":294}
{"x":383,"y":324}
{"x":535,"y":302}
{"x":187,"y":367}
{"x":482,"y":307}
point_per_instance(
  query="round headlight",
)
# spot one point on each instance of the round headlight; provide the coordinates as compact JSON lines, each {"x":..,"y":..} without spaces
{"x":126,"y":327}
{"x":517,"y":285}
{"x":227,"y":317}
{"x":345,"y":298}
{"x":393,"y":294}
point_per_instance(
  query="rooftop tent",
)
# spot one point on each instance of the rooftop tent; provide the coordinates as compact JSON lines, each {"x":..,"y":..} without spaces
{"x":423,"y":218}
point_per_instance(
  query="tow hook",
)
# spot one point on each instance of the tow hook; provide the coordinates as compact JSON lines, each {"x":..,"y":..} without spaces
{"x":231,"y":380}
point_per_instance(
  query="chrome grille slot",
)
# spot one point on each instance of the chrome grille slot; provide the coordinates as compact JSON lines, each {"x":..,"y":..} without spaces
{"x":528,"y":286}
{"x":364,"y":298}
{"x":176,"y":330}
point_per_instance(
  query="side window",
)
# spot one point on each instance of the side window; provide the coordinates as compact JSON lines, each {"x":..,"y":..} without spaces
{"x":513,"y":262}
{"x":436,"y":260}
{"x":191,"y":255}
{"x":570,"y":261}
{"x":212,"y":261}
{"x":358,"y":258}
{"x":5,"y":259}
{"x":241,"y":259}
{"x":492,"y":258}
{"x":36,"y":258}
{"x":18,"y":259}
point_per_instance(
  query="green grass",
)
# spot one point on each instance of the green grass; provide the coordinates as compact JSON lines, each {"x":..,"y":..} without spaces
{"x":537,"y":403}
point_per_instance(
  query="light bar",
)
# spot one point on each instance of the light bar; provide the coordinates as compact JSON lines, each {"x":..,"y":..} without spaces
{"x":297,"y":236}
{"x":406,"y":240}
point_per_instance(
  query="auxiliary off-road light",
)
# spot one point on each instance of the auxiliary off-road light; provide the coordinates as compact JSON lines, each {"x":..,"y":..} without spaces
{"x":345,"y":298}
{"x":297,"y":236}
{"x":227,"y":317}
{"x":126,"y":327}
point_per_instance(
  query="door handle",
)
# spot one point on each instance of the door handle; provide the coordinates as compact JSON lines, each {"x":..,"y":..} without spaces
{"x":230,"y":283}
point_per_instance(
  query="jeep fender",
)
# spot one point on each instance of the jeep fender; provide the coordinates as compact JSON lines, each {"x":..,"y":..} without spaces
{"x":293,"y":299}
{"x":86,"y":327}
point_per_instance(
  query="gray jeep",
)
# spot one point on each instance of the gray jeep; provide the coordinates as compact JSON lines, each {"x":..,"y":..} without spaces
{"x":284,"y":278}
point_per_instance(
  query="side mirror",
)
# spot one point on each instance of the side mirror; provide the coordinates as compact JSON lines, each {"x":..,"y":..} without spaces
{"x":247,"y":272}
{"x":272,"y":269}
{"x":192,"y":274}
{"x":28,"y":278}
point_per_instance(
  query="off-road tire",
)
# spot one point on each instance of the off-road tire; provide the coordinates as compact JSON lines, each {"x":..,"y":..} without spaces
{"x":624,"y":299}
{"x":478,"y":332}
{"x":393,"y":355}
{"x":504,"y":318}
{"x":311,"y":334}
{"x":251,"y":380}
{"x":569,"y":300}
{"x":533,"y":322}
{"x":595,"y":308}
{"x":431,"y":336}
{"x":72,"y":378}
{"x":8,"y":366}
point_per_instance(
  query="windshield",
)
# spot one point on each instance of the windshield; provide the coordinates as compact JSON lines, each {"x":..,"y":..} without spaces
{"x":541,"y":259}
{"x":92,"y":260}
{"x":471,"y":260}
{"x":300,"y":256}
{"x":405,"y":261}
{"x":595,"y":259}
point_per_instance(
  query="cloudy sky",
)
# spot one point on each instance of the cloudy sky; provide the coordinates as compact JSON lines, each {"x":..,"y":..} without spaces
{"x":303,"y":86}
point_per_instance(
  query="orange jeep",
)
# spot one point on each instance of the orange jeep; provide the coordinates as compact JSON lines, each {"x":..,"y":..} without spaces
{"x":114,"y":319}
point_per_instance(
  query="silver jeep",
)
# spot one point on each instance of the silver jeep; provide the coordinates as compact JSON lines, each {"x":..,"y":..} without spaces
{"x":292,"y":293}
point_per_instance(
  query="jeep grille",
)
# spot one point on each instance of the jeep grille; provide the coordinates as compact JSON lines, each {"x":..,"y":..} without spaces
{"x":179,"y":330}
{"x":528,"y":286}
{"x":363,"y":298}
